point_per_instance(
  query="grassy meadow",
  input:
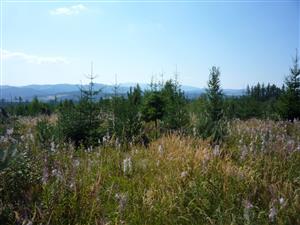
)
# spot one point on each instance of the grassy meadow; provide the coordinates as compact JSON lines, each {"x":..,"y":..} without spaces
{"x":253,"y":177}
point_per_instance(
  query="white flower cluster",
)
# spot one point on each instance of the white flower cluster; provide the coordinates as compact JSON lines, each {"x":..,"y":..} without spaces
{"x":127,"y":165}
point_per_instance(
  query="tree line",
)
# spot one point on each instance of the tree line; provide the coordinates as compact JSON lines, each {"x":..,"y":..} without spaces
{"x":141,"y":116}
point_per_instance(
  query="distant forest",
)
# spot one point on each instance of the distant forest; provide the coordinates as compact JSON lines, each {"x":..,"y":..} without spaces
{"x":141,"y":116}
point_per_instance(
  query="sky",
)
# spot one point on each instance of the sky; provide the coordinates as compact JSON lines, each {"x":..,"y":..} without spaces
{"x":51,"y":42}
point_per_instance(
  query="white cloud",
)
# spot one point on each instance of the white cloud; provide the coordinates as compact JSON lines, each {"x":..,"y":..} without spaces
{"x":69,"y":11}
{"x":32,"y":58}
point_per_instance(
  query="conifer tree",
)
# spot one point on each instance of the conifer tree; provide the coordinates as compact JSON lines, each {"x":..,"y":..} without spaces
{"x":153,"y":108}
{"x":80,"y":122}
{"x":133,"y":123}
{"x":175,"y":116}
{"x":290,"y":100}
{"x":213,"y":123}
{"x":214,"y":95}
{"x":89,"y":110}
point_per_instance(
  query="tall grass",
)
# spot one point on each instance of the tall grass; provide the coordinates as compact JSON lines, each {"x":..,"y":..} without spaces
{"x":252,"y":178}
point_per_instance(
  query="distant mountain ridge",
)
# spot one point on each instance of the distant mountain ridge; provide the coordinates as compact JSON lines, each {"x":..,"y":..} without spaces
{"x":72,"y":91}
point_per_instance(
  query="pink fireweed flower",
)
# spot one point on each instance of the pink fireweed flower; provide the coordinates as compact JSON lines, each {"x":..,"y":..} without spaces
{"x":272,"y":214}
{"x":247,"y":209}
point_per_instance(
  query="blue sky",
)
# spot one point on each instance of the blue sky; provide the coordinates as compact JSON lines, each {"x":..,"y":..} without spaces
{"x":53,"y":42}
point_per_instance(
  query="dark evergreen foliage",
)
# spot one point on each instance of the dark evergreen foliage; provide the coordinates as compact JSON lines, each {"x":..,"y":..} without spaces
{"x":175,"y":113}
{"x":211,"y":120}
{"x":153,"y":108}
{"x":290,"y":101}
{"x":80,"y":123}
{"x":214,"y":95}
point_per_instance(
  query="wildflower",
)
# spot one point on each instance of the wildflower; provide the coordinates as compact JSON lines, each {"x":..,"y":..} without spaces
{"x":281,"y":201}
{"x":117,"y":144}
{"x":57,"y":173}
{"x":290,"y":145}
{"x":122,"y":199}
{"x":272,"y":214}
{"x":127,"y":165}
{"x":160,"y":149}
{"x":248,"y":204}
{"x":184,"y":174}
{"x":3,"y":139}
{"x":263,"y":145}
{"x":104,"y":140}
{"x":251,"y":147}
{"x":247,"y":209}
{"x":9,"y":131}
{"x":216,"y":150}
{"x":72,"y":185}
{"x":52,"y":144}
{"x":243,"y":152}
{"x":194,"y":131}
{"x":45,"y":176}
{"x":76,"y":163}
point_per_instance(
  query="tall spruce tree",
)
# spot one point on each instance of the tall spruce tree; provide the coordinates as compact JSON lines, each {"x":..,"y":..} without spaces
{"x":175,"y":116}
{"x":80,"y":122}
{"x":214,"y":95}
{"x":290,"y":100}
{"x":133,"y":124}
{"x":213,"y":124}
{"x":87,"y":103}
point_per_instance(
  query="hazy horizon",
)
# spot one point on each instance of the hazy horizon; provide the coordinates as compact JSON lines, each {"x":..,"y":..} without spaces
{"x":50,"y":42}
{"x":125,"y":84}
